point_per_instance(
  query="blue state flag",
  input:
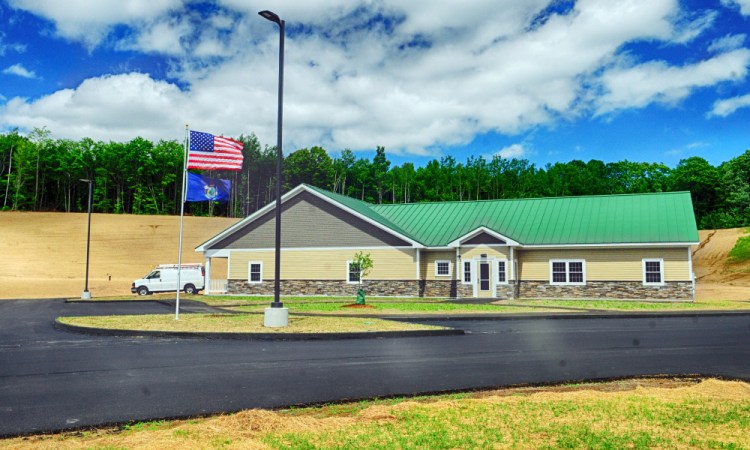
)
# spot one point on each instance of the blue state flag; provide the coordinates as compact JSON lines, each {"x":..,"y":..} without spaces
{"x":204,"y":189}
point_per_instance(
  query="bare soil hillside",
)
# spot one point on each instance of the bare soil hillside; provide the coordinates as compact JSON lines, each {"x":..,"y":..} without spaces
{"x":44,"y":254}
{"x":716,"y":277}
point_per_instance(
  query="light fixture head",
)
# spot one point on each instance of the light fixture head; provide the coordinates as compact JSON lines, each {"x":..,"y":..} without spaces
{"x":268,"y":15}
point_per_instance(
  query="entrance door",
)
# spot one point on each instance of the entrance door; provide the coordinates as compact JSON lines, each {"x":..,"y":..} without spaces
{"x":485,"y":280}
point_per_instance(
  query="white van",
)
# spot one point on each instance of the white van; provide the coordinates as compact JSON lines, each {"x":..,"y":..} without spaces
{"x":164,"y":279}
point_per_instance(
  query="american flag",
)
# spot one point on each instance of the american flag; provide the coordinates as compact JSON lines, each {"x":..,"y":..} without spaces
{"x":209,"y":152}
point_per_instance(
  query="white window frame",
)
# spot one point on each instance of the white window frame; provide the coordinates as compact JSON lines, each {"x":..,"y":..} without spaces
{"x":437,"y":263}
{"x":567,"y":272}
{"x":348,"y":281}
{"x":661,"y":271}
{"x":505,"y":272}
{"x":471,"y":273}
{"x":249,"y":272}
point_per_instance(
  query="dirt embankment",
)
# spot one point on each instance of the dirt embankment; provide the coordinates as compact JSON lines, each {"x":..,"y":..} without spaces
{"x":44,"y":254}
{"x":715,"y":276}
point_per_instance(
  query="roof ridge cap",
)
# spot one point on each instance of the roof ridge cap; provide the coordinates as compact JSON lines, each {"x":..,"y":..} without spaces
{"x":634,"y":194}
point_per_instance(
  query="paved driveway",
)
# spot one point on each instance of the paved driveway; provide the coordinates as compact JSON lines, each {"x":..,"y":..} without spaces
{"x":51,"y":380}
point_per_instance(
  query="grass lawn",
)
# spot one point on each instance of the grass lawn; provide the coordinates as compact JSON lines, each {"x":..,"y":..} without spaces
{"x":224,"y":300}
{"x":619,"y":305}
{"x":242,"y":323}
{"x":396,"y":308}
{"x":638,"y":414}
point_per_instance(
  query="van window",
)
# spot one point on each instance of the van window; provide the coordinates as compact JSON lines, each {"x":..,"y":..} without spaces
{"x":154,"y":274}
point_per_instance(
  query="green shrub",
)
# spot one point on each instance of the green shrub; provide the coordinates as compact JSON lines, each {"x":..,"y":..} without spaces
{"x":741,"y":251}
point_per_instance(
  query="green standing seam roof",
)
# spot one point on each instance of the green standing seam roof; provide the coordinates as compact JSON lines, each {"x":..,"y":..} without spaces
{"x":602,"y":219}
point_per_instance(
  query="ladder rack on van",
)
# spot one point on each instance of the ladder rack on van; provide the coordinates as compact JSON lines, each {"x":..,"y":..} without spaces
{"x":175,"y":266}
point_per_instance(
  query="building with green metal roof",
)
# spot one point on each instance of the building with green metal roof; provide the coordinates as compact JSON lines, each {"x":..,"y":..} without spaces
{"x":612,"y":246}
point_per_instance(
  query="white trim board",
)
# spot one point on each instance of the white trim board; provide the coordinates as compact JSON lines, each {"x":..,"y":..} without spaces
{"x":301,"y":249}
{"x":477,"y":231}
{"x":613,"y":245}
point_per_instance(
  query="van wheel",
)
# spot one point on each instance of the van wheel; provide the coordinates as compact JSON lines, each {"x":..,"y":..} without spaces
{"x":190,"y":289}
{"x":142,"y":290}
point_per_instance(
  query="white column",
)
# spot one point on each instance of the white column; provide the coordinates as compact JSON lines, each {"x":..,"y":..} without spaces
{"x":459,"y":272}
{"x":207,"y":281}
{"x":419,"y":263}
{"x":512,"y":266}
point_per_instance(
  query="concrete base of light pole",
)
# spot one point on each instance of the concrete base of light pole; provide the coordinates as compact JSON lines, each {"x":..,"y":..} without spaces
{"x":86,"y":295}
{"x":276,"y":317}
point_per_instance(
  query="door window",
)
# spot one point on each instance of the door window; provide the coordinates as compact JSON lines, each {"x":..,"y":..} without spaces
{"x":484,"y":276}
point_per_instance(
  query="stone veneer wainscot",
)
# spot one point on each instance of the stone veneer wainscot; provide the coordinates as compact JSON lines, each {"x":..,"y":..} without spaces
{"x":675,"y":290}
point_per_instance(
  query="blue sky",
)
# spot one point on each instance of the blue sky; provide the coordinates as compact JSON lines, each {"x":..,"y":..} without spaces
{"x":643,"y":80}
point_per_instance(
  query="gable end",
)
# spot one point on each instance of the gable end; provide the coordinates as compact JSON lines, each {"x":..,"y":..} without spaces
{"x":309,"y":221}
{"x":484,"y":238}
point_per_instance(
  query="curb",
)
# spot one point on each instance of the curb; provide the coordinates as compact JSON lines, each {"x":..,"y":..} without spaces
{"x":92,"y":302}
{"x":547,"y":316}
{"x":256,"y":336}
{"x":572,"y":315}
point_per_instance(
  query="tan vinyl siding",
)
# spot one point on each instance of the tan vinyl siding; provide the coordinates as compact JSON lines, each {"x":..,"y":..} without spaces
{"x":427,"y":260}
{"x":497,"y":252}
{"x":610,"y":264}
{"x":389,"y":264}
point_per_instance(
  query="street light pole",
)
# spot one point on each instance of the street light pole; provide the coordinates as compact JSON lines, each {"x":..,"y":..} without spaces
{"x":277,"y":315}
{"x":86,"y":295}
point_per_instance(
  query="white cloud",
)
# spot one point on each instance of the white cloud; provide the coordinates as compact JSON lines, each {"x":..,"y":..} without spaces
{"x":110,"y":107}
{"x":406,"y":75}
{"x":19,"y":70}
{"x":727,"y":43}
{"x":743,"y":5}
{"x":688,"y":29}
{"x":14,"y":47}
{"x":162,"y":37}
{"x":512,"y":151}
{"x":656,"y":81}
{"x":90,"y":21}
{"x":723,"y":108}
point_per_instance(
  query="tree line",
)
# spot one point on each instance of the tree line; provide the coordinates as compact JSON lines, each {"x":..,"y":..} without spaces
{"x":38,"y":173}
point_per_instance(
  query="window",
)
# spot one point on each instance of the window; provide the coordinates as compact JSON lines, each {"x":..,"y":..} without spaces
{"x":571,"y":271}
{"x":352,"y":272}
{"x":467,"y":272}
{"x":502,"y":275}
{"x":653,"y":271}
{"x":255,"y":272}
{"x":442,"y":268}
{"x":575,"y":272}
{"x":559,"y":274}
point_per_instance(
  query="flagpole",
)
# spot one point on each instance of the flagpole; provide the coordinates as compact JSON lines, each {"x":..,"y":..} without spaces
{"x":182,"y":215}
